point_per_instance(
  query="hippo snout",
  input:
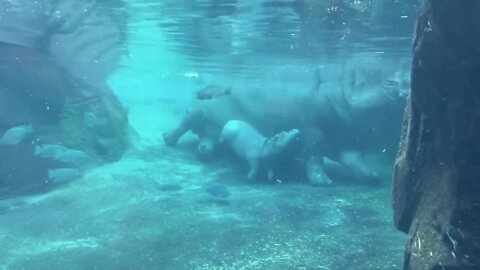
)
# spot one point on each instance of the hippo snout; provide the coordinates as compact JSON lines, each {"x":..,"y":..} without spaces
{"x":295,"y":132}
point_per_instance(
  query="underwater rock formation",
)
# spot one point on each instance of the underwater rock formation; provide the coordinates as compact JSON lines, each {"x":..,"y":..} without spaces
{"x":436,"y":193}
{"x":53,"y":73}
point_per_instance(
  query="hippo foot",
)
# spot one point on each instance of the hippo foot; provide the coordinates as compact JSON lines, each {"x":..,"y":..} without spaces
{"x":316,"y":175}
{"x":371,"y":180}
{"x":251,"y":177}
{"x":169,"y":139}
{"x":319,"y":179}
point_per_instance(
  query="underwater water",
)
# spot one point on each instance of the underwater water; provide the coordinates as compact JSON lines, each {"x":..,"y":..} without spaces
{"x":117,"y":150}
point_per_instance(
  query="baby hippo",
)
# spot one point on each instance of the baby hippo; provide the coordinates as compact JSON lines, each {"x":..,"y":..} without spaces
{"x":259,"y":151}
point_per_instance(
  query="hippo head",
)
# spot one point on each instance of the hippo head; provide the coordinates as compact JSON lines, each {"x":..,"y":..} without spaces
{"x":280,"y":142}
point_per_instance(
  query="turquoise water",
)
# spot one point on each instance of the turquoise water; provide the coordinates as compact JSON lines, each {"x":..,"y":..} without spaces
{"x":126,"y":200}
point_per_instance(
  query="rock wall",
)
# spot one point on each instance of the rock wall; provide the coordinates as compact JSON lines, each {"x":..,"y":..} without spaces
{"x":436,"y":193}
{"x":55,"y":59}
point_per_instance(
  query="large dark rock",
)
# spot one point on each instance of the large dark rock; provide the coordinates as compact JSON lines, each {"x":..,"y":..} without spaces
{"x":55,"y":59}
{"x":436,"y":194}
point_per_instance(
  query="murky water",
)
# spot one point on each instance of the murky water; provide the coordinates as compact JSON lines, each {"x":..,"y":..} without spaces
{"x":97,"y":173}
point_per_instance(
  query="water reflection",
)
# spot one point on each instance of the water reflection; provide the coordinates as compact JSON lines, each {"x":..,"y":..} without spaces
{"x":214,"y":33}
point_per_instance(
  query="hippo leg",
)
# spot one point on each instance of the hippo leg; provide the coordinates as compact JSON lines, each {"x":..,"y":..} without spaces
{"x":192,"y":120}
{"x":171,"y":137}
{"x":313,"y":147}
{"x":270,"y":174}
{"x":361,"y":172}
{"x":315,"y":172}
{"x":254,"y":167}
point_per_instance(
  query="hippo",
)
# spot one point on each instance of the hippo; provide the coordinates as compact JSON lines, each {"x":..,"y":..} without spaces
{"x":206,"y":118}
{"x":349,"y":112}
{"x":259,"y":151}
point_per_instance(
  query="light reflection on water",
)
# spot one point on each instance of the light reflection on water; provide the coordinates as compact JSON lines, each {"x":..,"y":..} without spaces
{"x":231,"y":35}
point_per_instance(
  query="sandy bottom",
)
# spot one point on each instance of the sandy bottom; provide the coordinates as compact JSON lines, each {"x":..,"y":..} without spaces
{"x":152,"y":210}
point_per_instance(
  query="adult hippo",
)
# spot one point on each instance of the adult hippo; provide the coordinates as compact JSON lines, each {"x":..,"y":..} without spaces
{"x":339,"y":118}
{"x":207,"y":117}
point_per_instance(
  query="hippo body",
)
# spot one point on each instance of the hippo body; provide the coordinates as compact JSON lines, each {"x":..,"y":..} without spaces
{"x":334,"y":118}
{"x":207,"y":117}
{"x":259,"y":151}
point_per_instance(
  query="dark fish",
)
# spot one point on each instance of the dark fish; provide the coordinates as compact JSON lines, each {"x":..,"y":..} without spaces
{"x":62,"y":153}
{"x":213,"y":91}
{"x":48,"y":150}
{"x":218,"y":190}
{"x":171,"y":187}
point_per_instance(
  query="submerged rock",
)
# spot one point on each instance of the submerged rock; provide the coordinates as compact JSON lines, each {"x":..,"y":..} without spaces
{"x":53,"y":88}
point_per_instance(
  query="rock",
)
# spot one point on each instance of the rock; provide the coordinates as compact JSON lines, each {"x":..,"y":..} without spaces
{"x":436,"y":193}
{"x":54,"y":87}
{"x":105,"y":142}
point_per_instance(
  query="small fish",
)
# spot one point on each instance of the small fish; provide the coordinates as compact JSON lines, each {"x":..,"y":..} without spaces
{"x":213,"y":91}
{"x":191,"y":75}
{"x":218,"y":190}
{"x":62,"y":153}
{"x":171,"y":187}
{"x":72,"y":156}
{"x":48,"y":150}
{"x":63,"y":175}
{"x":91,"y":120}
{"x":16,"y":134}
